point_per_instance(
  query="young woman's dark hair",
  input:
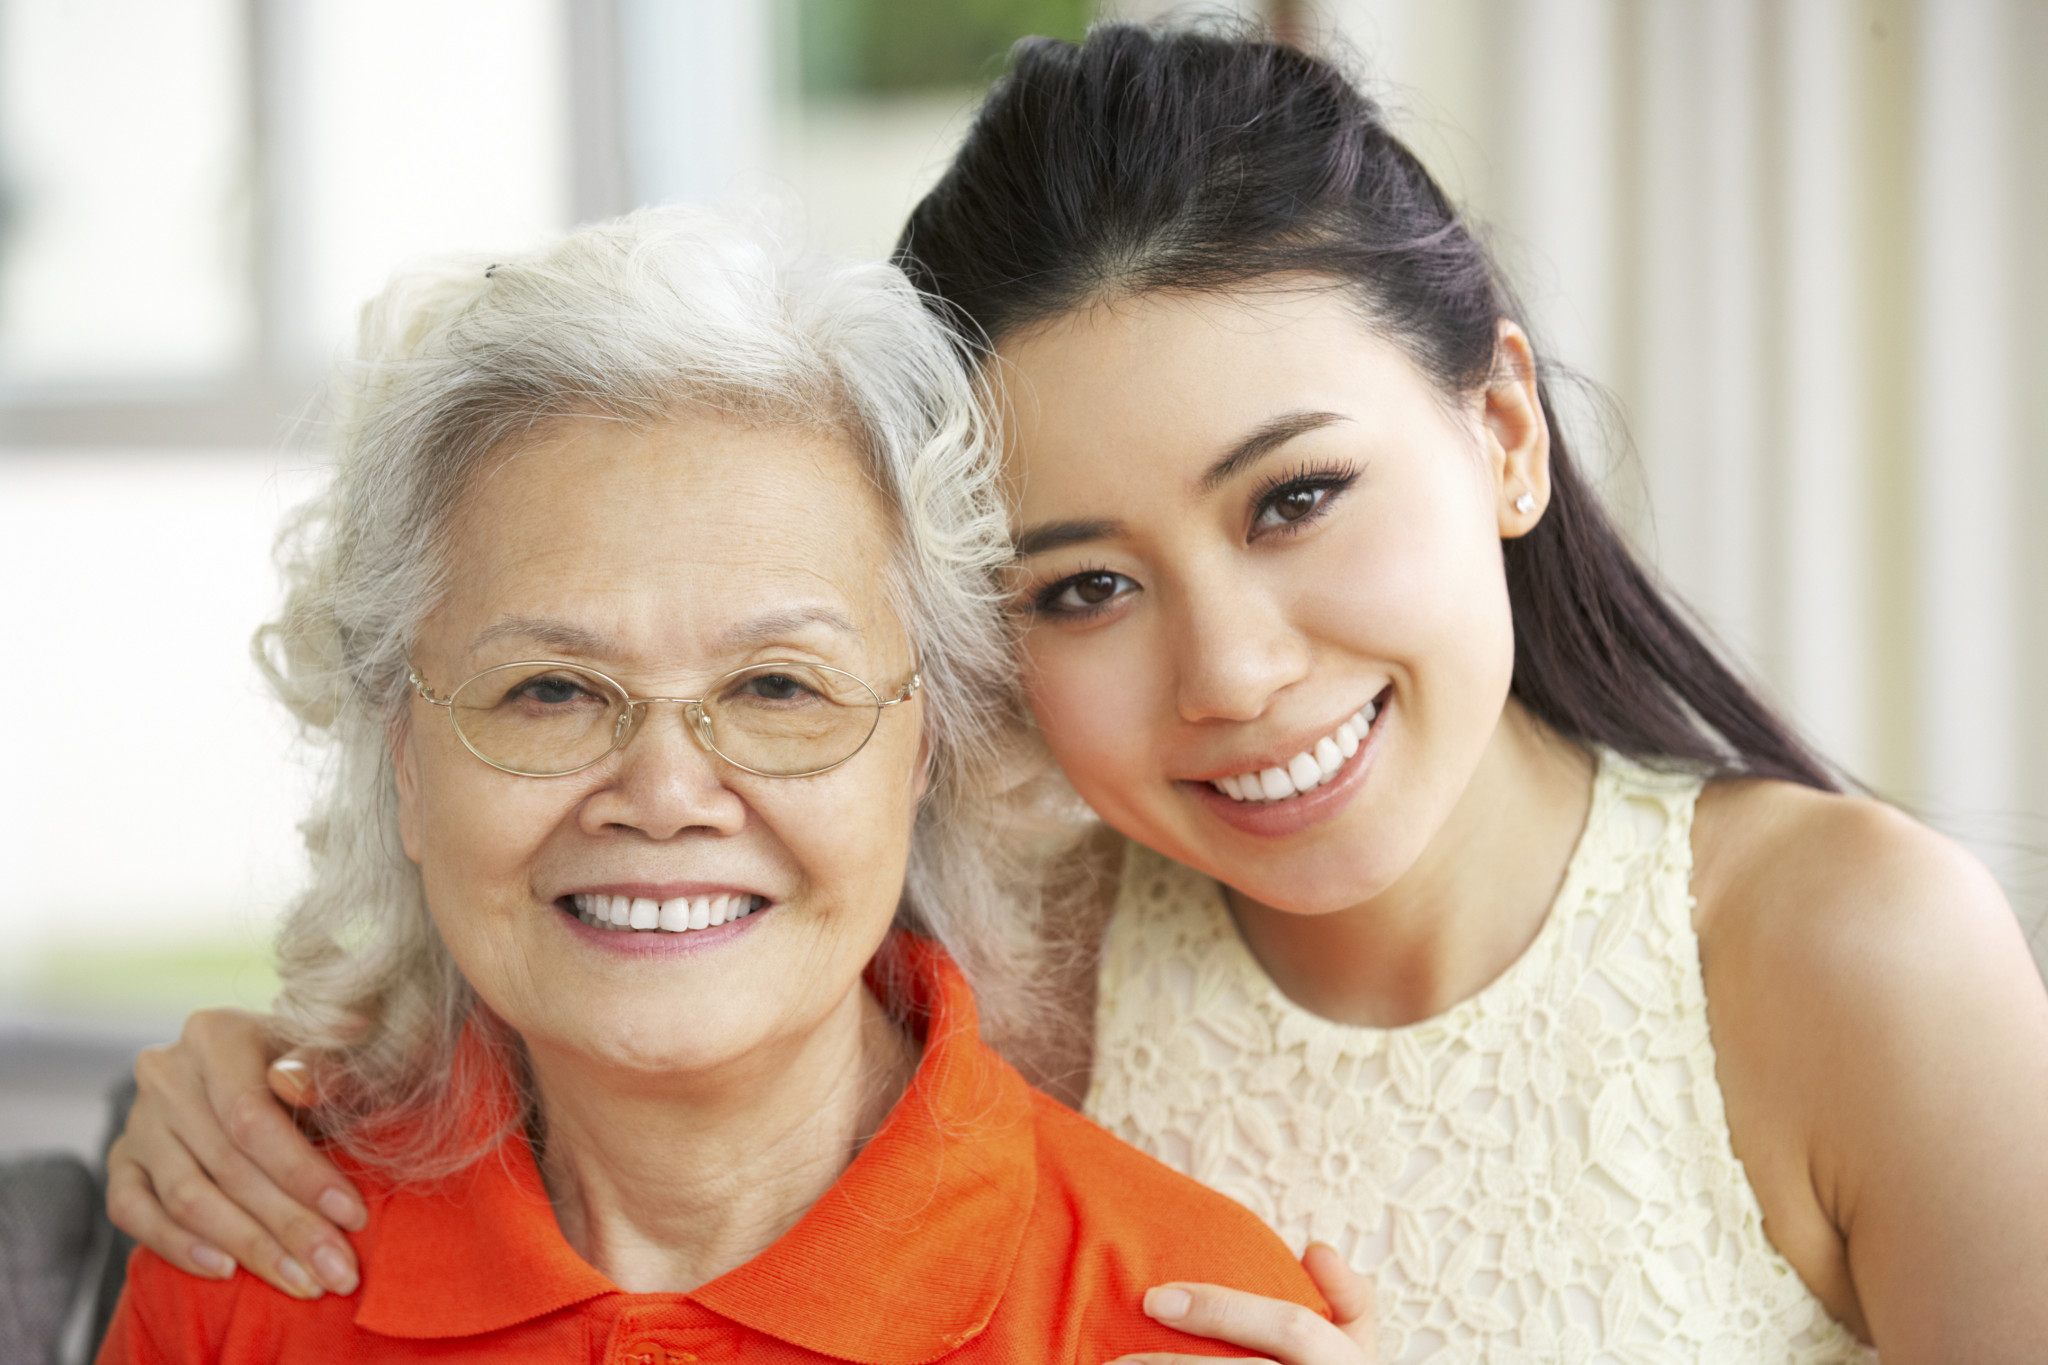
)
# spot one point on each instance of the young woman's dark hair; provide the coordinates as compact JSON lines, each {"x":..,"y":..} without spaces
{"x":1143,"y":160}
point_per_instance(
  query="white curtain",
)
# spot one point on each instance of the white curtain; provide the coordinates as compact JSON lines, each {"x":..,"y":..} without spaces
{"x":1795,"y":243}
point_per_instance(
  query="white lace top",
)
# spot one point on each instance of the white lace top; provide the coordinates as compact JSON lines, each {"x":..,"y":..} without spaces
{"x":1543,"y":1173}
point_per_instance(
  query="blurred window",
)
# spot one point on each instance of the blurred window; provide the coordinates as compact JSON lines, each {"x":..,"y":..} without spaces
{"x":890,"y":46}
{"x":125,"y":191}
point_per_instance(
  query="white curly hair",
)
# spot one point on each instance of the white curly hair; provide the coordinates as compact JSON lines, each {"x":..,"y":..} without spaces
{"x":629,"y":320}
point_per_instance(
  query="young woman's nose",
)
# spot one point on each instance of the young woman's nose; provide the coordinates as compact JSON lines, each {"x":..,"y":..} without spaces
{"x":663,"y":782}
{"x":1233,"y":648}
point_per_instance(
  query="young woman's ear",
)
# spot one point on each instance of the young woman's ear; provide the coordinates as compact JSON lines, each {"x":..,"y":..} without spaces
{"x":1517,"y":434}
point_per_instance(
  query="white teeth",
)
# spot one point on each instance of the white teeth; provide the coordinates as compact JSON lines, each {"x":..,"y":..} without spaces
{"x":1305,"y":771}
{"x":676,"y":916}
{"x":1347,"y":739}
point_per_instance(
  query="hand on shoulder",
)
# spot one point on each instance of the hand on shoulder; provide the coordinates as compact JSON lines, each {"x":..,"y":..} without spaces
{"x":1882,"y":1041}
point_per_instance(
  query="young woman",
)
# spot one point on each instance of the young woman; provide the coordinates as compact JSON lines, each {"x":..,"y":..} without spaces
{"x":1468,"y":912}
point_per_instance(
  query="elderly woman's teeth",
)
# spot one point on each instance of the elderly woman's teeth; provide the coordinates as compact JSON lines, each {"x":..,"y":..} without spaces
{"x":1305,"y":771}
{"x":676,"y":916}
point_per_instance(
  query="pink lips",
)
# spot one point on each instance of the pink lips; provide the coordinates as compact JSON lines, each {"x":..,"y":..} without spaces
{"x":655,"y":943}
{"x":1279,"y":819}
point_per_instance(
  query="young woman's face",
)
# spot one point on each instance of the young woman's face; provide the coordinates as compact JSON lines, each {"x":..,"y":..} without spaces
{"x":1248,"y":528}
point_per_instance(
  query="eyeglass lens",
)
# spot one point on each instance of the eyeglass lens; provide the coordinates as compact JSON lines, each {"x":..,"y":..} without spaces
{"x":779,"y":719}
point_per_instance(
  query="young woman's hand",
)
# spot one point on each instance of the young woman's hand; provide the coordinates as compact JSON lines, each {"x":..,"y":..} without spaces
{"x":211,"y":1172}
{"x":1274,"y":1329}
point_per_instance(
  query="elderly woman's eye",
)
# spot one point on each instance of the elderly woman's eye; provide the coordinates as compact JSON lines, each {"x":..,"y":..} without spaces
{"x":1084,"y":593}
{"x":776,"y":687}
{"x":550,"y":691}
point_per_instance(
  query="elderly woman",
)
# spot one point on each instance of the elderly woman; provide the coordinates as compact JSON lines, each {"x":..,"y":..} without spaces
{"x":647,"y":619}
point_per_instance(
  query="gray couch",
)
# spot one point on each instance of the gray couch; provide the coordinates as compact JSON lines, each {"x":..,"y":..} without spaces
{"x":61,"y":1261}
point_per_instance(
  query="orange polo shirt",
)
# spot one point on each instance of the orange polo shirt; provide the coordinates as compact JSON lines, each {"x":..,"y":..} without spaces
{"x":984,"y":1222}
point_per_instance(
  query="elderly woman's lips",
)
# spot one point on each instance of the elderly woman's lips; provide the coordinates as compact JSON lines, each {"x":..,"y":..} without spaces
{"x":677,"y":916}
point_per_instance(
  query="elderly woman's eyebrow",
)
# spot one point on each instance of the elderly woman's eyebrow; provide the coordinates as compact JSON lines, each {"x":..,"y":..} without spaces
{"x":766,"y":628}
{"x":558,"y":635}
{"x":779,"y":625}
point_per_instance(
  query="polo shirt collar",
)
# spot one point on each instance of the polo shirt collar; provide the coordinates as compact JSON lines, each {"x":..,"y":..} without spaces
{"x":903,"y":1260}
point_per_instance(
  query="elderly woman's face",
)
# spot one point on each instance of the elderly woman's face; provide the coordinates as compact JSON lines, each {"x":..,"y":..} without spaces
{"x":664,"y":558}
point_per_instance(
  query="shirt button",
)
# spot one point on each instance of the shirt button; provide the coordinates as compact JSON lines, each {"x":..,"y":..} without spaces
{"x":647,"y":1352}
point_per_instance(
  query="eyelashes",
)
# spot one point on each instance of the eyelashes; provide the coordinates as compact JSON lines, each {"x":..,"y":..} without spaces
{"x":1079,"y":596}
{"x":1282,"y":504}
{"x":1285,"y":503}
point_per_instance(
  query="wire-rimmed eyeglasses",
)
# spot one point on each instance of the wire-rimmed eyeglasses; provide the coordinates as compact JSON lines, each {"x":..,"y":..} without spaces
{"x":545,"y":718}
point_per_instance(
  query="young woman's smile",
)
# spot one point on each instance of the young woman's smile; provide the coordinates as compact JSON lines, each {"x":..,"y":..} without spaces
{"x":1268,"y":526}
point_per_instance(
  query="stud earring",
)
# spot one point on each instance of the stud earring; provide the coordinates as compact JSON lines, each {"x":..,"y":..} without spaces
{"x":1525,"y":504}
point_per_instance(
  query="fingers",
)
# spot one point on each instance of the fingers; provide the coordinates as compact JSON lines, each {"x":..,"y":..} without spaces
{"x":171,"y":1207}
{"x":1274,"y":1329}
{"x":1350,"y":1294}
{"x":205,"y":1136}
{"x":133,"y":1207}
{"x":230,"y":1050}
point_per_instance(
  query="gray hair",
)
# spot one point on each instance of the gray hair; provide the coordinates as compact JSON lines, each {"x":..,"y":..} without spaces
{"x":630,"y":320}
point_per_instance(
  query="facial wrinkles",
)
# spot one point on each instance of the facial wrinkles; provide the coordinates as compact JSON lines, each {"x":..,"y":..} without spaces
{"x":632,"y":549}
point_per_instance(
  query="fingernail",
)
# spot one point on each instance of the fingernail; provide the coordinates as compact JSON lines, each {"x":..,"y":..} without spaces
{"x":293,"y":1071}
{"x":1168,"y":1304}
{"x":213,"y":1261}
{"x":341,"y":1209}
{"x":294,"y":1274}
{"x":335,"y":1271}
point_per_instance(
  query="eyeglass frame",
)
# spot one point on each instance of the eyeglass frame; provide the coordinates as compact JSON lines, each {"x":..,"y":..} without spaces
{"x":693,"y":710}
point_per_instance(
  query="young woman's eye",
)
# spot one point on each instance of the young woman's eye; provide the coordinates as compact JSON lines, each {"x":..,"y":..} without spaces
{"x":1300,"y":499}
{"x":1083,"y":593}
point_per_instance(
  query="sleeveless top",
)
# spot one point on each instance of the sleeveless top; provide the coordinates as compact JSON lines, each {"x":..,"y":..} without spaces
{"x":1542,"y":1173}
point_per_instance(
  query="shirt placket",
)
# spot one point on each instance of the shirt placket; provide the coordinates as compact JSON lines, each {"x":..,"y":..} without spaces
{"x":673,"y":1334}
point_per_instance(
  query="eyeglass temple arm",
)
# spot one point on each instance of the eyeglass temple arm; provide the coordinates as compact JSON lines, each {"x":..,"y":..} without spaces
{"x":916,"y":681}
{"x":419,"y":685}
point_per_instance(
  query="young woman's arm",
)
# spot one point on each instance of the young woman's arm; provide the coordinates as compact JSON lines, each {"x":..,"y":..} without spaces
{"x":211,"y":1172}
{"x":1882,"y":1035}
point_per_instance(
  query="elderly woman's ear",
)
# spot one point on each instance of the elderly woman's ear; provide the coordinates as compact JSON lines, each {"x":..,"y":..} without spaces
{"x":402,"y":768}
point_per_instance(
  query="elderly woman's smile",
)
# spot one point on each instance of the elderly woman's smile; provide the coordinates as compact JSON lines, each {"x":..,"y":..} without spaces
{"x":665,"y":558}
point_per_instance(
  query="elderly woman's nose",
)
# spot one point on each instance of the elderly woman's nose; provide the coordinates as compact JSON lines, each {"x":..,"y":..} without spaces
{"x":662,"y":783}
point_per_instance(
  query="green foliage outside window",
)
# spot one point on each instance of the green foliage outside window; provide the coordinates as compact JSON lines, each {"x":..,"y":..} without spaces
{"x":887,"y":46}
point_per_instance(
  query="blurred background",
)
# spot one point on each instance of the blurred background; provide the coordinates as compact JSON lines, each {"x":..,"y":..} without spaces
{"x":1789,"y":247}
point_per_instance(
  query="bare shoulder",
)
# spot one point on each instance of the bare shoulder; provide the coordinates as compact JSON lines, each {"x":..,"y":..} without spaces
{"x":1834,"y":913}
{"x":1881,"y":1035}
{"x":1848,"y":904}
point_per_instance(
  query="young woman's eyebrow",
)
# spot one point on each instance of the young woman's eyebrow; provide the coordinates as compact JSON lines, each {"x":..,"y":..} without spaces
{"x":1054,"y":535}
{"x":1268,"y":437}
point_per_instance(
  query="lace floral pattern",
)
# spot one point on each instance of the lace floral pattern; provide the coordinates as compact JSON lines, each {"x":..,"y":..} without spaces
{"x":1543,"y":1173}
